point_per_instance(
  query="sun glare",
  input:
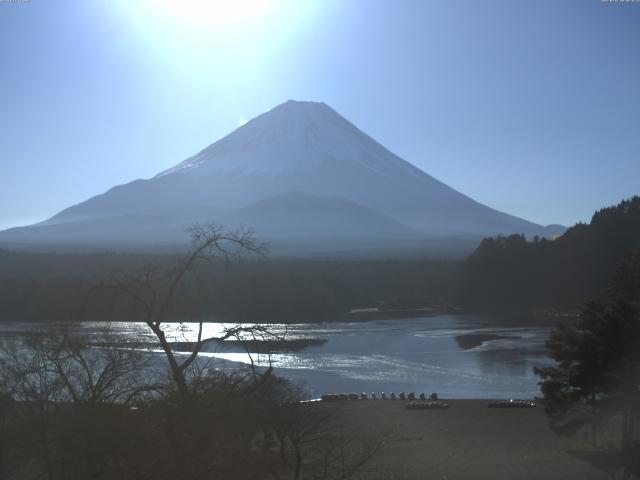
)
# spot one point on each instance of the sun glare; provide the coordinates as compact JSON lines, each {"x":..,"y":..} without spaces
{"x":215,"y":45}
{"x":178,"y":28}
{"x":213,"y":13}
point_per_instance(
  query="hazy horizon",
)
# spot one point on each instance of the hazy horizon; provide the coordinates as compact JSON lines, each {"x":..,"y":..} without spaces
{"x":527,"y":107}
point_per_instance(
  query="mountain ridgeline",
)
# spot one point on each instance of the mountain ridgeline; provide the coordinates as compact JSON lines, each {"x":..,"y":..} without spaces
{"x":303,"y":177}
{"x":511,"y":272}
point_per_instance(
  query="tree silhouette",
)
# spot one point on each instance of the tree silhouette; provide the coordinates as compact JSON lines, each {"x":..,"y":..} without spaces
{"x":153,"y":291}
{"x":598,"y":360}
{"x":512,"y":273}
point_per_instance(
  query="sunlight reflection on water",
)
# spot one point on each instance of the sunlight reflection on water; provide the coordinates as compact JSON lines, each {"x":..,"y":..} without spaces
{"x":421,"y":354}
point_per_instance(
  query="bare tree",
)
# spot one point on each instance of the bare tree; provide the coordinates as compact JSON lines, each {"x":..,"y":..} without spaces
{"x":64,"y":397}
{"x":154,"y":292}
{"x":222,"y":423}
{"x":319,"y":445}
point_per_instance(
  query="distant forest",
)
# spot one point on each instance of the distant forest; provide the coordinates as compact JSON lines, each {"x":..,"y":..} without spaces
{"x":511,"y":272}
{"x":51,"y":287}
{"x":504,"y":273}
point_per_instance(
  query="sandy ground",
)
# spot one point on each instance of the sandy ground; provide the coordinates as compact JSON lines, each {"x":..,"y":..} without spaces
{"x":467,"y":441}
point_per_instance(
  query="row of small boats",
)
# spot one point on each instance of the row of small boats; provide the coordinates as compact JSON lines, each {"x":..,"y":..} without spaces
{"x":511,"y":403}
{"x":343,"y":397}
{"x":420,"y":402}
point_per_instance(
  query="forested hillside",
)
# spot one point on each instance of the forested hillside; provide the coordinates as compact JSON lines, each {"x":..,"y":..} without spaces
{"x":511,"y":272}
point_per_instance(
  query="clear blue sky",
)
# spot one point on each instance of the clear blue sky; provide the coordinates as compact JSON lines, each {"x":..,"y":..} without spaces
{"x":531,"y":107}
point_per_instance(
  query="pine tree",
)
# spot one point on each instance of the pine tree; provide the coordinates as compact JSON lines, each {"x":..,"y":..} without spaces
{"x":598,"y":360}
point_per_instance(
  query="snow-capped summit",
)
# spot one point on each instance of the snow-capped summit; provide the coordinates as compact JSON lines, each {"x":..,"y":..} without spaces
{"x":291,"y":138}
{"x":299,"y":170}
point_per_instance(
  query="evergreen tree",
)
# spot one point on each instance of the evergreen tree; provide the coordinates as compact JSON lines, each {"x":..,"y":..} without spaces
{"x":512,"y":273}
{"x":598,"y":362}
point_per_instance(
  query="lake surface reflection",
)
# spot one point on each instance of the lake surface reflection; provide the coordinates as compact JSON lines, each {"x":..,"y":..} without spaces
{"x":458,"y":356}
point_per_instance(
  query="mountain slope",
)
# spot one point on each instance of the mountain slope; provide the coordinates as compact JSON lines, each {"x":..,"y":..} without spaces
{"x":301,"y":147}
{"x":305,"y":216}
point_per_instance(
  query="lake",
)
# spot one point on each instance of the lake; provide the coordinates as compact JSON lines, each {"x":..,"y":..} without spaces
{"x":457,"y":356}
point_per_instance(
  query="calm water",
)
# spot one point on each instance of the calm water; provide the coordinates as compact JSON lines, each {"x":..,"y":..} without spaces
{"x":421,"y":354}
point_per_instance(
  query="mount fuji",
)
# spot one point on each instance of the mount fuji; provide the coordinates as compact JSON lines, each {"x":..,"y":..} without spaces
{"x":299,"y":175}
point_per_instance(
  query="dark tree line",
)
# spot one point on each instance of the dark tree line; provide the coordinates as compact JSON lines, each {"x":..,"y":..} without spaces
{"x":50,"y":287}
{"x":511,"y":272}
{"x":503,"y":273}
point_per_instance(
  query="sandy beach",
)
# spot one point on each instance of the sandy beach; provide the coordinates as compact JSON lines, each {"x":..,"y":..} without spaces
{"x":467,"y":441}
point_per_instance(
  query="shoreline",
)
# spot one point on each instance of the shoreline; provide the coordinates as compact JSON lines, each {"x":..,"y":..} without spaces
{"x":497,"y":318}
